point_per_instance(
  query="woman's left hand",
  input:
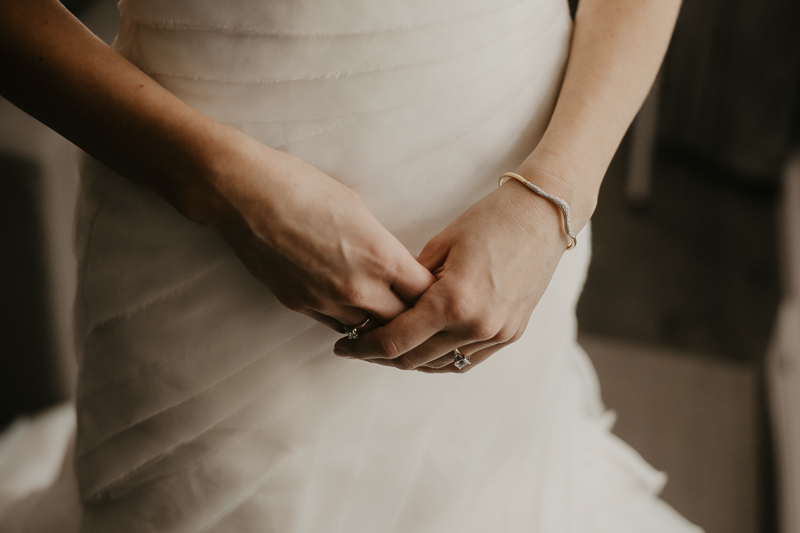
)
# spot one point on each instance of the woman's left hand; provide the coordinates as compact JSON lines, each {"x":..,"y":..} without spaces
{"x":492,"y":265}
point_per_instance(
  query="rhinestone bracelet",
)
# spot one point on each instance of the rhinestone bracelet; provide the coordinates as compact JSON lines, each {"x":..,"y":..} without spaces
{"x":563,"y":205}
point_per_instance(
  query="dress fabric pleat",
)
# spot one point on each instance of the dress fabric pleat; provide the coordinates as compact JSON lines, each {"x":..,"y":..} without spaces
{"x":206,"y":406}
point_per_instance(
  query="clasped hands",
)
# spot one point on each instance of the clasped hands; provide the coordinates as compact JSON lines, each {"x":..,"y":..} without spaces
{"x":322,"y":253}
{"x":490,"y":266}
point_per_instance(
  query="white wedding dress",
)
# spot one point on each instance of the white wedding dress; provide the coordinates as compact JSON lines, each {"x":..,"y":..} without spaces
{"x":206,"y":406}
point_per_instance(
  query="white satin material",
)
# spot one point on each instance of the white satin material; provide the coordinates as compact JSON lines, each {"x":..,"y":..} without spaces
{"x":204,"y":405}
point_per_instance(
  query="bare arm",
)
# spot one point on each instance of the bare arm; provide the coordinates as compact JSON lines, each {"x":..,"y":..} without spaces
{"x":275,"y":210}
{"x":495,"y":261}
{"x":59,"y":72}
{"x":617,"y":48}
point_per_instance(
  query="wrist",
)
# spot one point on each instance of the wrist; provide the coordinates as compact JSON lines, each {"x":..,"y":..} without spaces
{"x":579,"y":193}
{"x":210,"y":187}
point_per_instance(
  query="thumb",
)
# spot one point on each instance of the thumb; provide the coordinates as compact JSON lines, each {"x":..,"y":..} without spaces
{"x":411,"y":278}
{"x":433,"y":255}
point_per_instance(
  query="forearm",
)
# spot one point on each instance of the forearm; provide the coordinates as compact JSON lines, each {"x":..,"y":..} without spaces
{"x":617,"y":48}
{"x":61,"y":74}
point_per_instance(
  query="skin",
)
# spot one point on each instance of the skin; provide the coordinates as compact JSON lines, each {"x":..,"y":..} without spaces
{"x":306,"y":236}
{"x":490,"y":278}
{"x":339,"y":265}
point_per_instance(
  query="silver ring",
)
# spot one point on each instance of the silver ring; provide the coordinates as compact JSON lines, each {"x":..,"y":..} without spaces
{"x":352,"y":331}
{"x":460,"y":360}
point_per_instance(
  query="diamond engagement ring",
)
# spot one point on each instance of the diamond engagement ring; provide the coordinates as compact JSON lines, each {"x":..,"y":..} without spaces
{"x":460,"y":360}
{"x":352,"y":331}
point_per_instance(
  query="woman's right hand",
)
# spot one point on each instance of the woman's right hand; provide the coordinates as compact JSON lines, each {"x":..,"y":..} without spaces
{"x":307,"y":237}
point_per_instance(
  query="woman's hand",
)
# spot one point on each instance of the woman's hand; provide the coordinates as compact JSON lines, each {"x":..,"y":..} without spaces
{"x":492,"y":265}
{"x":494,"y":262}
{"x":305,"y":236}
{"x":308,"y":238}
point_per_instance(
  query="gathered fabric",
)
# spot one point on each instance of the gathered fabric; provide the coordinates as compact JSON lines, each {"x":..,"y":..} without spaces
{"x":206,"y":406}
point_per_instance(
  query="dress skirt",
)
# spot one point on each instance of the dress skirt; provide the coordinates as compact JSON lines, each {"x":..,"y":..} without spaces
{"x":206,"y":406}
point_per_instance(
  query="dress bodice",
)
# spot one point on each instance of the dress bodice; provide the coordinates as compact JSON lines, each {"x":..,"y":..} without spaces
{"x":206,"y":406}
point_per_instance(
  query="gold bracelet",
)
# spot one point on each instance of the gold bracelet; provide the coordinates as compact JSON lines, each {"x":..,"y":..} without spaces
{"x":563,"y":205}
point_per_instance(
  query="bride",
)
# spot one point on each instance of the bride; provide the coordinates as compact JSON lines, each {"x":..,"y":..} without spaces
{"x":272,"y":184}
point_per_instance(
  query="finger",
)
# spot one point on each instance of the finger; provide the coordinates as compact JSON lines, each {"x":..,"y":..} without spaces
{"x":339,"y":317}
{"x":381,"y":362}
{"x":467,"y":350}
{"x":444,"y":342}
{"x":383,"y":303}
{"x":324,"y":319}
{"x":440,"y":362}
{"x":432,"y":256}
{"x":475,"y":359}
{"x":371,"y":324}
{"x":407,"y":331}
{"x":411,"y":279}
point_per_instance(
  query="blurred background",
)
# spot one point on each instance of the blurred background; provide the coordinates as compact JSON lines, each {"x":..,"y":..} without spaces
{"x":691,"y":311}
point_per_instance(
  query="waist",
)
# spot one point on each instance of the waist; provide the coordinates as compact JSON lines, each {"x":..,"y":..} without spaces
{"x":284,"y":61}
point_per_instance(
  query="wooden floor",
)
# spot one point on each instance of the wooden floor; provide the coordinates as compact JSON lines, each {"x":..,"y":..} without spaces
{"x":692,"y":416}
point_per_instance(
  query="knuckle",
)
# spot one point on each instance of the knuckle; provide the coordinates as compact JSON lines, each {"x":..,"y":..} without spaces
{"x":388,"y":347}
{"x":484,"y":329}
{"x":460,"y":307}
{"x":507,"y":335}
{"x":383,"y":261}
{"x":517,"y":335}
{"x":350,"y":293}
